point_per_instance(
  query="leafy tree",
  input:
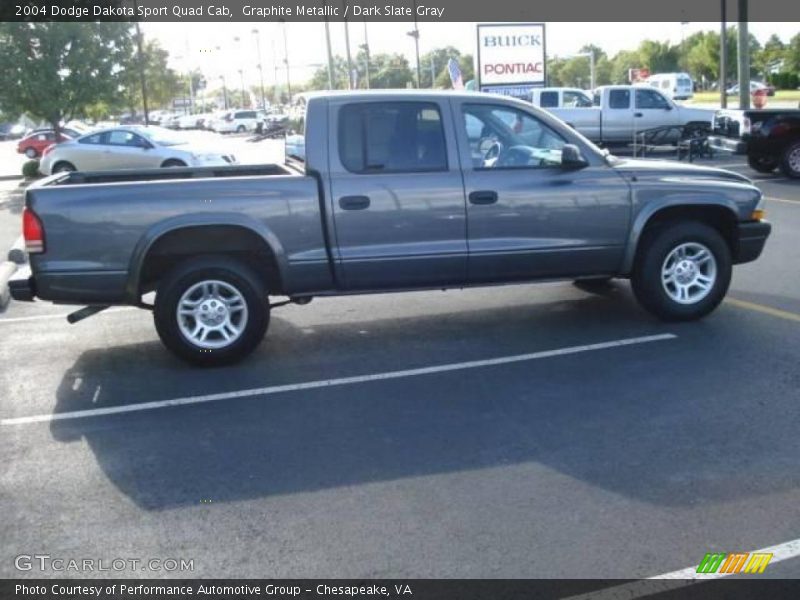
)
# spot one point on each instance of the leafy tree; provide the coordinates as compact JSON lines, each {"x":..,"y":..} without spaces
{"x":433,"y":67}
{"x":792,"y":55}
{"x":163,"y":83}
{"x":386,"y":71}
{"x":55,"y":71}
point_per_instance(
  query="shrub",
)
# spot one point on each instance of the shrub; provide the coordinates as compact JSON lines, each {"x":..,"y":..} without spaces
{"x":31,"y":169}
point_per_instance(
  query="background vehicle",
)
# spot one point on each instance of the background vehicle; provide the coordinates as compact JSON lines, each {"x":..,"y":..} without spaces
{"x":754,"y":86}
{"x":237,"y":121}
{"x":561,"y":97}
{"x":33,"y":145}
{"x":133,"y":147}
{"x":11,"y":131}
{"x":678,"y":86}
{"x":621,"y":110}
{"x":396,"y":193}
{"x":770,"y":138}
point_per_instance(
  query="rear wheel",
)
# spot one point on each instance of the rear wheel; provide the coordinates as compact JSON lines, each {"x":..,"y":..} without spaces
{"x":173,"y":162}
{"x":682,"y":271}
{"x":762,"y":164}
{"x":63,"y":167}
{"x":211,"y":311}
{"x":790,"y":164}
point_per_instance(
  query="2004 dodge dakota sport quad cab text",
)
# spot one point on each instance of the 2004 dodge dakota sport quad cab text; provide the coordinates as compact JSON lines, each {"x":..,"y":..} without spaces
{"x":399,"y":191}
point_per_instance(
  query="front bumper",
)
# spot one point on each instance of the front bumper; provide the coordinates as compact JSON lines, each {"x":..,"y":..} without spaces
{"x":723,"y":144}
{"x":22,"y":286}
{"x":752,"y":237}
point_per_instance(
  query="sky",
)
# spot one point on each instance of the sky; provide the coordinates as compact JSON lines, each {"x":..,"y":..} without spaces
{"x":213,"y":48}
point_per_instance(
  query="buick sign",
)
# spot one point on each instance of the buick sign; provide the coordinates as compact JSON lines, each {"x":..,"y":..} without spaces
{"x":512,"y":54}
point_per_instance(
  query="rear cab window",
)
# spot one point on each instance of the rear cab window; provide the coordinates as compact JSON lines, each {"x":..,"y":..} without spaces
{"x":619,"y":99}
{"x":392,"y":137}
{"x":548,"y":100}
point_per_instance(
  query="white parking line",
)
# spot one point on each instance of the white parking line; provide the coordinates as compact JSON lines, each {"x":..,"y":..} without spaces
{"x":683,"y":577}
{"x":62,"y":315}
{"x":294,"y":387}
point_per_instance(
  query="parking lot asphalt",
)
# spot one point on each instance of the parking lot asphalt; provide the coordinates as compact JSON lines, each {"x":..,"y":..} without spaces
{"x":493,"y":432}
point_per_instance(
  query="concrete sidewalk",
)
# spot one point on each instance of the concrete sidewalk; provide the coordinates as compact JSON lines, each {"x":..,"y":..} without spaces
{"x":12,"y":195}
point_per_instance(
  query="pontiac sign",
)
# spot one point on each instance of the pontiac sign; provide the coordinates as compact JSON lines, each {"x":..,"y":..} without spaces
{"x":511,"y":54}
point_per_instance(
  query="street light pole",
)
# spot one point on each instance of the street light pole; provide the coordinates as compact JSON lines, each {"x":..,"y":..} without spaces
{"x":241,"y":79}
{"x":140,"y":54}
{"x":366,"y":53}
{"x":723,"y":56}
{"x":260,"y":68}
{"x":328,"y":47}
{"x":347,"y":48}
{"x":744,"y":58}
{"x":415,"y":34}
{"x":224,"y":92}
{"x":286,"y":60}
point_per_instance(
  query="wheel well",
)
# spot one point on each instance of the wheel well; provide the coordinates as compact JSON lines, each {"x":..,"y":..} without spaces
{"x":239,"y":243}
{"x":173,"y":161}
{"x":718,"y":217}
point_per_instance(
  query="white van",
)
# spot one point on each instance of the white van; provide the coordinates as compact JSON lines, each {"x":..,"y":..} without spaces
{"x":678,"y":86}
{"x":560,"y":97}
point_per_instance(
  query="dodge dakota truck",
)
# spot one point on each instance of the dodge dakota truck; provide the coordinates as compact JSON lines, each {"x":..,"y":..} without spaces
{"x":398,"y":191}
{"x":620,"y":111}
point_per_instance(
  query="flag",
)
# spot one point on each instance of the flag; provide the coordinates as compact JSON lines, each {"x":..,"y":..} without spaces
{"x":455,"y":74}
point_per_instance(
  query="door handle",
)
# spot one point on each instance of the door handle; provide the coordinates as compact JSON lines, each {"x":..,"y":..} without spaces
{"x":354,"y":202}
{"x":638,"y":115}
{"x":483,"y":197}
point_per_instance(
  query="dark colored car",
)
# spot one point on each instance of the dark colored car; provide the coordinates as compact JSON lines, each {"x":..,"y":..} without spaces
{"x":769,"y":138}
{"x":34,"y":144}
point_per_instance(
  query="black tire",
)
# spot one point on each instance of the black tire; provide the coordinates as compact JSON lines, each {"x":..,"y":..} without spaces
{"x":31,"y":152}
{"x":790,"y":162}
{"x":241,"y":129}
{"x":63,"y":167}
{"x":172,"y":163}
{"x":762,"y":164}
{"x":220,"y":269}
{"x":655,"y":247}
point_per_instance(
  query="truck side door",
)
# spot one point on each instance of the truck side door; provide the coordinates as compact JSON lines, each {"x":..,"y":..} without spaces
{"x":617,"y":114}
{"x":527,"y":217}
{"x":653,"y":110}
{"x":397,"y":195}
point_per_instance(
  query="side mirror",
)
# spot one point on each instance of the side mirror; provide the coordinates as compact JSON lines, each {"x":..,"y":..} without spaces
{"x":571,"y":157}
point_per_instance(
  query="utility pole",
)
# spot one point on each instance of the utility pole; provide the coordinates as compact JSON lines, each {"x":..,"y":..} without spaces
{"x":142,"y":79}
{"x":286,"y":60}
{"x":275,"y":96}
{"x":244,"y":95}
{"x":347,"y":48}
{"x":415,"y":34}
{"x":723,"y":55}
{"x":260,"y":68}
{"x":328,"y":47}
{"x":743,"y":51}
{"x":433,"y":72}
{"x":365,"y":46}
{"x":224,"y":92}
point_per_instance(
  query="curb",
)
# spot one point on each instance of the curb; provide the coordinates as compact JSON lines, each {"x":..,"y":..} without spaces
{"x":17,"y":252}
{"x":10,"y":177}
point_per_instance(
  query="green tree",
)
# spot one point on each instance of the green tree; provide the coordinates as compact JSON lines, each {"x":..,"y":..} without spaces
{"x":163,"y":83}
{"x":792,"y":55}
{"x":56,"y":71}
{"x":386,"y":71}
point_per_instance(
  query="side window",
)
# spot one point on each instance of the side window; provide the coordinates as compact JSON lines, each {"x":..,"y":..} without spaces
{"x":650,"y":99}
{"x":665,"y":85}
{"x":392,"y":137}
{"x":124,"y":138}
{"x":510,"y":138}
{"x":576,"y":100}
{"x":92,"y":139}
{"x":549,"y":99}
{"x":619,"y":99}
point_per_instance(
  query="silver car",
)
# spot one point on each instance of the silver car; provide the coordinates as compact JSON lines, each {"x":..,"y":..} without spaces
{"x":129,"y":147}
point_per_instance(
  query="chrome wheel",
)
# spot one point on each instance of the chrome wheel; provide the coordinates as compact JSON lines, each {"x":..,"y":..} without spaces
{"x":212,"y":314}
{"x":688,"y":273}
{"x":793,"y":160}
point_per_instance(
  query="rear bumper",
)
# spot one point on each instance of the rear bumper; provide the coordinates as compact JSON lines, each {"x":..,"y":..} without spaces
{"x":21,"y":285}
{"x":752,"y":237}
{"x":723,"y":144}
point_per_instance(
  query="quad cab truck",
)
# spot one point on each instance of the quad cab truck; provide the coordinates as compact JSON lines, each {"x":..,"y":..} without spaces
{"x":399,"y":191}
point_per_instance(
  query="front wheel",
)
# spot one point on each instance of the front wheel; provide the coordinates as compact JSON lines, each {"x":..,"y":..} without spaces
{"x":31,"y":152}
{"x":682,"y":271}
{"x":211,"y":311}
{"x":762,"y":164}
{"x":790,"y":164}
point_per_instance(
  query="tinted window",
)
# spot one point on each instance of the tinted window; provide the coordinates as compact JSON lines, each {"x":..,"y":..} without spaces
{"x":650,"y":99}
{"x":576,"y":99}
{"x":92,"y":139}
{"x":510,"y":138}
{"x":247,"y":114}
{"x":392,"y":137}
{"x":619,"y":99}
{"x":548,"y":99}
{"x":124,"y":138}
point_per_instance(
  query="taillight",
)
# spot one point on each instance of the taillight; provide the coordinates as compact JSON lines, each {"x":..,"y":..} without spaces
{"x":32,"y":231}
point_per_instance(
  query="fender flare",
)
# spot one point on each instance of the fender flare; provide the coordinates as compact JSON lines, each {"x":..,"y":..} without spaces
{"x":651,"y":209}
{"x":162,"y":228}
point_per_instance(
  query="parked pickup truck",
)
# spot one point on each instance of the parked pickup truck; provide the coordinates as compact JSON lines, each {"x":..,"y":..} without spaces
{"x":399,"y":191}
{"x":620,"y":111}
{"x":769,"y":138}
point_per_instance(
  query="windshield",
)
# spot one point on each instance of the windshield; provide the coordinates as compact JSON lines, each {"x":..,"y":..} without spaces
{"x":161,"y":136}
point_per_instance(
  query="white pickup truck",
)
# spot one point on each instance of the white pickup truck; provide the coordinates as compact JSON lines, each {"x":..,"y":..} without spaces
{"x":620,"y":111}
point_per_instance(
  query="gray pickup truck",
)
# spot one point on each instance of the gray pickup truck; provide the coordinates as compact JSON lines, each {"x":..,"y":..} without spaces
{"x":398,"y":191}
